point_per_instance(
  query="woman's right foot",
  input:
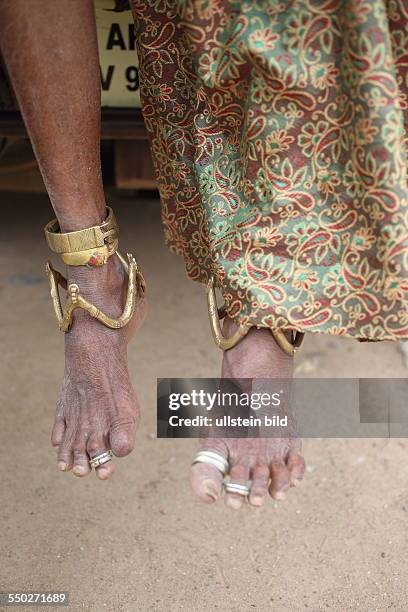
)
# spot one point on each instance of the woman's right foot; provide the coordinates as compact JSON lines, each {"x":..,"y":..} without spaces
{"x":98,"y":408}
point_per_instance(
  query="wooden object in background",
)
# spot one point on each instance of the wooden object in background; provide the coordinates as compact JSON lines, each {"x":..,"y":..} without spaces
{"x":133,"y":165}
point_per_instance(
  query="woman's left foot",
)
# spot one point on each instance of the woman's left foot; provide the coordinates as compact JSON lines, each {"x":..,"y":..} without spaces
{"x":273,"y":465}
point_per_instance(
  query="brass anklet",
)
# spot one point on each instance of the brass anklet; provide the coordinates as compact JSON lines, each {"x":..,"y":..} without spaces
{"x":90,"y":247}
{"x":215,"y":314}
{"x":136,"y":288}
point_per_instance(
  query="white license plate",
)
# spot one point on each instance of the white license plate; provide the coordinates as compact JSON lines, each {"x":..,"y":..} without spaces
{"x":118,"y":57}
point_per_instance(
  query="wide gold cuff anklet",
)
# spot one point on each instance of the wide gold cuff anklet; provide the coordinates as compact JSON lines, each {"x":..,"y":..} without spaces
{"x":91,"y":246}
{"x":136,"y":288}
{"x":215,"y":314}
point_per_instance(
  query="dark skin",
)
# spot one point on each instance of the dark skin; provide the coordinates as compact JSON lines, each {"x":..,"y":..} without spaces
{"x":52,"y":63}
{"x":97,"y":408}
{"x":272,"y":464}
{"x":55,"y":75}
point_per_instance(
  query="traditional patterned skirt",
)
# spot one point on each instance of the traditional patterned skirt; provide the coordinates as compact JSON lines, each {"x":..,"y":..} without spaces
{"x":278,"y":138}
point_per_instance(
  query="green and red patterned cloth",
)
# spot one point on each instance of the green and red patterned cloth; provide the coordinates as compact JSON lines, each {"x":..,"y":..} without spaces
{"x":278,"y":137}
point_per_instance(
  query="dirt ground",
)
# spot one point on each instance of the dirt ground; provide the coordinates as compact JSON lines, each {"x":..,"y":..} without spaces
{"x":141,"y":541}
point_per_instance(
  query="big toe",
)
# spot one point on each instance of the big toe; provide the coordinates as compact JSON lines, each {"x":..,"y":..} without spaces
{"x":122,"y":437}
{"x":206,"y":482}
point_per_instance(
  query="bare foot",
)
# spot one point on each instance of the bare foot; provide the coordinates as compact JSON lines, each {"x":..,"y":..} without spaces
{"x":98,"y":407}
{"x":272,"y":464}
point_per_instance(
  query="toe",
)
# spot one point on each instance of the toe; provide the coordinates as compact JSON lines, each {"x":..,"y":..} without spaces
{"x":58,"y":431}
{"x":280,"y":480}
{"x":122,"y":437}
{"x":96,"y":446}
{"x":65,"y":454}
{"x":65,"y":450}
{"x":105,"y":471}
{"x":239,"y":474}
{"x":296,"y":466}
{"x":206,"y":482}
{"x":259,"y":488}
{"x":81,"y":458}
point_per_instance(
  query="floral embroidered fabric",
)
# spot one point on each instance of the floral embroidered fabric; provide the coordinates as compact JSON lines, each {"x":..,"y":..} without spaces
{"x":278,"y":138}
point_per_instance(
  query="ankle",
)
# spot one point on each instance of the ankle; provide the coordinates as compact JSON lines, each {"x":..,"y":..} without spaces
{"x":101,"y":280}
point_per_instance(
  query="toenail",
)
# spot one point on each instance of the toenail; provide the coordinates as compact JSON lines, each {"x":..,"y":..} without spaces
{"x":62,"y":466}
{"x":257,"y":500}
{"x":210,"y":489}
{"x":296,"y":482}
{"x":103,"y":474}
{"x":233,"y":503}
{"x":280,"y":495}
{"x":79,"y":470}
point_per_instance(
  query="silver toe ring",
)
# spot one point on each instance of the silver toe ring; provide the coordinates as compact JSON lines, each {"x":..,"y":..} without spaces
{"x":100,"y":459}
{"x":212,"y":458}
{"x":237,"y":488}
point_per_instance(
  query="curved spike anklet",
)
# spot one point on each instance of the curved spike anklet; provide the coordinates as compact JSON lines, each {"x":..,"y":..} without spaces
{"x":136,"y":288}
{"x":215,"y":314}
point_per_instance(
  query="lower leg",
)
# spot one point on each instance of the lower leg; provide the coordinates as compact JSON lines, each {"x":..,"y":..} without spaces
{"x":55,"y":75}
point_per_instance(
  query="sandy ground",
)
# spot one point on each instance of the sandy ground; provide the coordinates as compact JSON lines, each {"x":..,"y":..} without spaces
{"x":141,"y":541}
